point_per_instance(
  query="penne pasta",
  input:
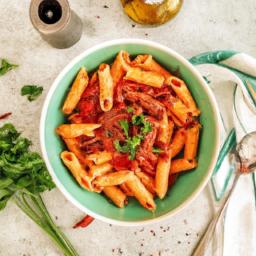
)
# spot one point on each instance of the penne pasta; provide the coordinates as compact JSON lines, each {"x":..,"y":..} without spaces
{"x":147,"y":181}
{"x":79,"y":173}
{"x":100,"y":157}
{"x":126,"y":190}
{"x":98,"y":170}
{"x":164,"y":131}
{"x":94,"y":79}
{"x":116,"y":195}
{"x":72,"y":146}
{"x":162,"y":175}
{"x":141,"y":193}
{"x":183,"y":93}
{"x":181,"y":165}
{"x":69,"y":131}
{"x":106,"y":87}
{"x":114,"y":178}
{"x":178,"y":142}
{"x":144,"y":77}
{"x":146,"y":62}
{"x":119,"y":67}
{"x":179,"y":110}
{"x":170,"y":132}
{"x":191,"y":143}
{"x":176,"y":121}
{"x":76,"y":91}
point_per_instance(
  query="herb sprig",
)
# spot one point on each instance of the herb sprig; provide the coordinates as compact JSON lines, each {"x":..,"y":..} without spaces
{"x":23,"y":176}
{"x":32,"y":91}
{"x":131,"y":144}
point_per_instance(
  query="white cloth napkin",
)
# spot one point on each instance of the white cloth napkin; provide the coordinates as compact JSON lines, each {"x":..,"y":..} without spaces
{"x":232,"y":78}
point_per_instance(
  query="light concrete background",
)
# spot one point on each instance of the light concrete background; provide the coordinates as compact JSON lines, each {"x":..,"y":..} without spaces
{"x":202,"y":25}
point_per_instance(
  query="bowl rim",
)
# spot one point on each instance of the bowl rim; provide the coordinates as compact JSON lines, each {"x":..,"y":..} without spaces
{"x":195,"y":73}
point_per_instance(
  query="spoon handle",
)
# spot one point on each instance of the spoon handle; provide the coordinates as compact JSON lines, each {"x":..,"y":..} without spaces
{"x":202,"y":246}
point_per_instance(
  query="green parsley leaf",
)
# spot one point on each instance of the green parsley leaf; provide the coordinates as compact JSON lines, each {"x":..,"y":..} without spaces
{"x":133,"y":144}
{"x":6,"y":66}
{"x":121,"y":148}
{"x":137,"y":119}
{"x":130,"y":109}
{"x":129,"y":146}
{"x":140,"y":120}
{"x":157,"y":150}
{"x":32,"y":91}
{"x":146,"y":128}
{"x":125,"y":126}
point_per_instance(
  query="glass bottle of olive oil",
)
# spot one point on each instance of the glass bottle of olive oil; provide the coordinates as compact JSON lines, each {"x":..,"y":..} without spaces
{"x":151,"y":11}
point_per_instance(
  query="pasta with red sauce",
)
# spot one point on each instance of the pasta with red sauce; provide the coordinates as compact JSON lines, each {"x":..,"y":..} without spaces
{"x":133,"y":127}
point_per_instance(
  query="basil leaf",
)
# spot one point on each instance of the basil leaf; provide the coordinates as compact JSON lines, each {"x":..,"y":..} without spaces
{"x":125,"y":126}
{"x":157,"y":150}
{"x":6,"y":66}
{"x":32,"y":91}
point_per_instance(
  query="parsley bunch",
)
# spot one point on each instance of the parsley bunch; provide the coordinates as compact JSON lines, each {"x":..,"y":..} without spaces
{"x":23,"y":176}
{"x":131,"y":143}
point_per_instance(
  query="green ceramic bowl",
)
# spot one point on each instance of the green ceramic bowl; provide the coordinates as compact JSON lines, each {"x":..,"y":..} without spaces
{"x":188,"y":185}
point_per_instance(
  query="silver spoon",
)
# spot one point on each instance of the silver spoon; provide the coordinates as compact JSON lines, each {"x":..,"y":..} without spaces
{"x":246,"y":159}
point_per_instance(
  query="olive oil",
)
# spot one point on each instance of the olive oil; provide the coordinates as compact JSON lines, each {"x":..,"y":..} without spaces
{"x":151,"y":11}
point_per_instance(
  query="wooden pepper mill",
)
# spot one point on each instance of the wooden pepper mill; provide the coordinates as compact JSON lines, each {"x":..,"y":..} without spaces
{"x":56,"y":22}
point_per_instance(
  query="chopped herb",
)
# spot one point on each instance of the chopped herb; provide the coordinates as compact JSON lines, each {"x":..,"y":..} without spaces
{"x":125,"y":126}
{"x":138,"y":119}
{"x":121,"y":148}
{"x":131,"y":144}
{"x":157,"y":150}
{"x":32,"y":91}
{"x":130,"y":109}
{"x":6,"y":66}
{"x":146,"y":128}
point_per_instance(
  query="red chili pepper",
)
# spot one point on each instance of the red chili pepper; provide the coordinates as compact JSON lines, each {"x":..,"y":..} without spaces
{"x":5,"y":115}
{"x":86,"y":221}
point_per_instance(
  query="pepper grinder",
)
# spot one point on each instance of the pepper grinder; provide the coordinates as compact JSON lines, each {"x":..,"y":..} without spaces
{"x":56,"y":22}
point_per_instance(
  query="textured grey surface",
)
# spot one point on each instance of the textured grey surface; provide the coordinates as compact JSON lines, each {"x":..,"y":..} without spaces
{"x":201,"y":26}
